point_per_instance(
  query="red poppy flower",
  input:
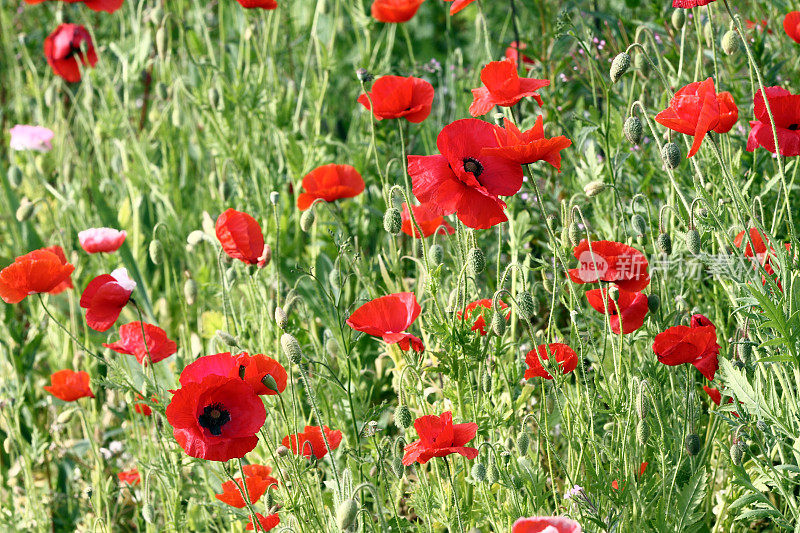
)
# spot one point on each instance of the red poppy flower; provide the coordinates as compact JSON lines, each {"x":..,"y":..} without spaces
{"x":260,"y":4}
{"x":503,"y":87}
{"x":64,"y":48}
{"x":513,"y":54}
{"x":398,"y":97}
{"x":695,"y":344}
{"x":67,"y":283}
{"x":461,"y":179}
{"x":764,"y":252}
{"x":35,"y":272}
{"x":530,"y":146}
{"x":630,"y":307}
{"x":240,"y":236}
{"x":546,"y":524}
{"x":458,"y":5}
{"x":108,"y":6}
{"x":716,"y":397}
{"x":439,"y":437}
{"x":785,"y":108}
{"x":104,"y":298}
{"x":791,"y":24}
{"x":310,"y":441}
{"x":257,"y":367}
{"x":257,"y":481}
{"x":697,"y":109}
{"x":217,"y":418}
{"x":396,"y":11}
{"x":131,"y":477}
{"x":329,"y":183}
{"x":69,"y":386}
{"x":97,"y":240}
{"x":265,"y":522}
{"x":143,"y":408}
{"x":565,"y":356}
{"x":219,"y":364}
{"x":642,"y":468}
{"x":427,"y":219}
{"x":687,"y":4}
{"x":388,"y":317}
{"x":481,"y":307}
{"x":155,"y":345}
{"x":610,"y":261}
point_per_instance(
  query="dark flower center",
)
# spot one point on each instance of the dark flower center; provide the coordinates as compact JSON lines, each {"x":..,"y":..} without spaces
{"x":473,"y":166}
{"x":794,"y":127}
{"x":214,"y":417}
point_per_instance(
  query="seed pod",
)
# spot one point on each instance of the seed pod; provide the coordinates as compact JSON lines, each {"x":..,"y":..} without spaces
{"x":620,"y":66}
{"x":594,"y":188}
{"x":156,"y":252}
{"x":632,"y":129}
{"x":398,"y":468}
{"x":346,"y":514}
{"x":730,"y":42}
{"x":436,"y":254}
{"x":392,"y":221}
{"x":14,"y":176}
{"x":678,"y":19}
{"x":574,"y":234}
{"x":227,"y":338}
{"x":213,"y":97}
{"x":642,"y":432}
{"x":664,"y":243}
{"x":498,"y":324}
{"x":486,"y":382}
{"x":639,"y":224}
{"x":190,"y":291}
{"x":280,"y":317}
{"x":269,"y":382}
{"x":671,"y":155}
{"x":642,"y":404}
{"x":526,"y":305}
{"x":479,"y":472}
{"x":476,"y":261}
{"x":307,"y":220}
{"x":653,"y":302}
{"x":693,"y":241}
{"x":523,"y":441}
{"x":737,"y":453}
{"x":291,"y":348}
{"x":25,"y":210}
{"x":692,"y":444}
{"x":402,"y":416}
{"x":148,"y":513}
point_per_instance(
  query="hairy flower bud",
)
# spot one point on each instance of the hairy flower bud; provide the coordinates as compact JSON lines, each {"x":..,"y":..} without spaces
{"x":664,"y":243}
{"x":653,"y":302}
{"x":493,"y":473}
{"x":282,"y":451}
{"x":523,"y":441}
{"x":148,"y":513}
{"x":195,"y":237}
{"x":274,"y":197}
{"x":14,"y":176}
{"x":486,"y":382}
{"x":402,"y":417}
{"x":526,"y":305}
{"x":632,"y":129}
{"x":574,"y":234}
{"x":190,"y":291}
{"x":227,"y":338}
{"x":280,"y":317}
{"x":737,"y":453}
{"x":693,"y":241}
{"x":291,"y":348}
{"x":476,"y":261}
{"x":392,"y":221}
{"x":346,"y":514}
{"x":745,"y":351}
{"x":671,"y":155}
{"x":398,"y":468}
{"x":692,"y":444}
{"x":678,"y":19}
{"x":731,"y":42}
{"x":479,"y":472}
{"x":436,"y":254}
{"x":25,"y":210}
{"x":498,"y":323}
{"x":642,"y":432}
{"x":156,"y":252}
{"x":594,"y":188}
{"x":642,"y":404}
{"x":307,"y":220}
{"x":620,"y":66}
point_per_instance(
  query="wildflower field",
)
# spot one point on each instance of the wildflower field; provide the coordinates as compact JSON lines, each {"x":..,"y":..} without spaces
{"x":400,"y":265}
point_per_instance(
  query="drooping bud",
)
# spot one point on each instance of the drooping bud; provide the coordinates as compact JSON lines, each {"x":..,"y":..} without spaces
{"x":574,"y":234}
{"x":436,"y":254}
{"x":269,"y":382}
{"x":613,"y":293}
{"x":213,"y":97}
{"x":479,"y":472}
{"x":593,"y":188}
{"x":346,"y":514}
{"x":25,"y":210}
{"x":642,"y":403}
{"x":498,"y":323}
{"x":693,"y":241}
{"x":190,"y":291}
{"x":678,"y":19}
{"x":737,"y":453}
{"x":148,"y":513}
{"x":486,"y":382}
{"x":195,"y":237}
{"x":632,"y":129}
{"x":692,"y":444}
{"x":526,"y":305}
{"x":731,"y":42}
{"x":402,"y":416}
{"x":671,"y":155}
{"x":476,"y":261}
{"x":14,"y":176}
{"x":642,"y":432}
{"x":664,"y":243}
{"x":307,"y":220}
{"x":653,"y":302}
{"x":392,"y":221}
{"x":398,"y":468}
{"x":274,"y":198}
{"x":280,"y":317}
{"x":620,"y":66}
{"x":639,"y":224}
{"x":227,"y":338}
{"x":523,"y":441}
{"x":745,"y":351}
{"x":493,"y":473}
{"x":291,"y":348}
{"x":156,"y":252}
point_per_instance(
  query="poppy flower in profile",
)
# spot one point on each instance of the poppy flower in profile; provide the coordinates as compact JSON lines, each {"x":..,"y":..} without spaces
{"x":388,"y":317}
{"x":311,"y":442}
{"x":458,"y":5}
{"x":610,"y":261}
{"x":398,"y":97}
{"x":258,"y":4}
{"x":216,"y":418}
{"x":513,"y":54}
{"x":35,"y":272}
{"x":330,"y":182}
{"x":68,"y":385}
{"x":101,"y":240}
{"x":565,"y":356}
{"x":546,"y":524}
{"x":109,"y":6}
{"x":257,"y":481}
{"x":257,"y":368}
{"x":503,"y":87}
{"x":688,"y":4}
{"x":695,"y":344}
{"x":105,"y":297}
{"x":130,"y":477}
{"x":142,"y":408}
{"x":428,"y":220}
{"x":697,"y":109}
{"x":630,"y":308}
{"x":68,"y":45}
{"x":240,"y":236}
{"x":266,"y":523}
{"x":34,"y":138}
{"x":67,"y":283}
{"x":395,"y":11}
{"x":481,"y":308}
{"x":791,"y":24}
{"x":461,"y":179}
{"x":439,"y":437}
{"x":154,"y":347}
{"x":529,"y":146}
{"x":785,"y":108}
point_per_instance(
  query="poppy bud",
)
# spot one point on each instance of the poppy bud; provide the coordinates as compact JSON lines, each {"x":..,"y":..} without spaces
{"x":613,"y":293}
{"x":526,"y":304}
{"x":392,"y":221}
{"x":161,"y":42}
{"x":639,"y":224}
{"x":280,"y":317}
{"x":476,"y":261}
{"x":190,"y":291}
{"x":574,"y":234}
{"x":25,"y":210}
{"x":269,"y":382}
{"x":227,"y":338}
{"x":156,"y":252}
{"x":436,"y":253}
{"x":291,"y":348}
{"x":486,"y":382}
{"x":671,"y":155}
{"x":498,"y":324}
{"x":745,"y":351}
{"x":505,"y":457}
{"x":332,"y":347}
{"x":593,"y":188}
{"x":653,"y":302}
{"x":642,"y":404}
{"x":398,"y":468}
{"x":692,"y":444}
{"x":693,"y":241}
{"x":307,"y":220}
{"x":632,"y":129}
{"x":8,"y":444}
{"x":552,"y":222}
{"x":346,"y":514}
{"x":620,"y":66}
{"x":493,"y":474}
{"x":266,"y":257}
{"x":274,"y":197}
{"x":664,"y":243}
{"x":479,"y":472}
{"x":363,"y":75}
{"x":14,"y":176}
{"x":213,"y":97}
{"x":195,"y":237}
{"x":402,"y":417}
{"x":282,"y":451}
{"x":523,"y":441}
{"x":731,"y":42}
{"x":148,"y":513}
{"x":642,"y":432}
{"x":678,"y":19}
{"x":64,"y":416}
{"x":737,"y":453}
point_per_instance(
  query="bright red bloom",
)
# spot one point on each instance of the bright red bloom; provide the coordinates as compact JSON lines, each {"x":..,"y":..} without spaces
{"x":257,"y":481}
{"x":398,"y":97}
{"x":695,"y":344}
{"x":764,"y":252}
{"x":67,"y":283}
{"x":642,"y":468}
{"x":610,"y":261}
{"x":35,"y":272}
{"x":155,"y":345}
{"x":97,"y":240}
{"x":265,"y":522}
{"x":687,"y":4}
{"x":530,"y":146}
{"x":462,"y":179}
{"x":131,"y":477}
{"x":513,"y":54}
{"x":630,"y":307}
{"x":716,"y":397}
{"x":240,"y":236}
{"x":69,"y":386}
{"x":329,"y":183}
{"x":565,"y":356}
{"x":64,"y":48}
{"x":260,"y":4}
{"x":388,"y":317}
{"x":458,"y":5}
{"x":216,"y":418}
{"x":219,"y":364}
{"x":503,"y":87}
{"x":108,"y":6}
{"x":395,"y":11}
{"x":257,"y":367}
{"x":105,"y":297}
{"x":310,"y":441}
{"x":142,"y":408}
{"x":785,"y":108}
{"x":428,"y":220}
{"x":439,"y":437}
{"x":791,"y":24}
{"x":697,"y":109}
{"x":480,"y":308}
{"x":546,"y":524}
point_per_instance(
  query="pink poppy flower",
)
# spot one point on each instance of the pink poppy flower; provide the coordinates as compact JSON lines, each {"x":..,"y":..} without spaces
{"x":36,"y":138}
{"x":97,"y":240}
